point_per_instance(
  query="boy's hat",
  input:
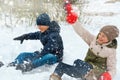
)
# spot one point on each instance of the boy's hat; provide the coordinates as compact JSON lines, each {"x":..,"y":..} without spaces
{"x":110,"y":31}
{"x":43,"y":19}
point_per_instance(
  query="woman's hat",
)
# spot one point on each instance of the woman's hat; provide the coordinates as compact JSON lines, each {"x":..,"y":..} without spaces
{"x":110,"y":31}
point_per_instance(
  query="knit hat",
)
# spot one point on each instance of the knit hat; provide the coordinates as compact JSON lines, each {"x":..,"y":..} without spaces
{"x":43,"y":19}
{"x":110,"y":31}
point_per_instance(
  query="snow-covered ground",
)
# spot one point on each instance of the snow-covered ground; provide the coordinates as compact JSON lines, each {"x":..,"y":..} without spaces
{"x":74,"y":46}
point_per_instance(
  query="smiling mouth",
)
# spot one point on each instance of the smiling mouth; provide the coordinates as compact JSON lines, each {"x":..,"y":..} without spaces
{"x":99,"y":40}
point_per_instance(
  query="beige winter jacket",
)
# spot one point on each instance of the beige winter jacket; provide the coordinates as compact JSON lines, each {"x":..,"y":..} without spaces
{"x":99,"y":50}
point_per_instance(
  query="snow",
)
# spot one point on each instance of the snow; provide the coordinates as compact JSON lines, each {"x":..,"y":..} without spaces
{"x":98,"y":6}
{"x":74,"y":46}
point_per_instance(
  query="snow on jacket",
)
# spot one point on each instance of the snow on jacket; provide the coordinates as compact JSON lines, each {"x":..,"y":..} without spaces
{"x":102,"y":51}
{"x":51,"y":40}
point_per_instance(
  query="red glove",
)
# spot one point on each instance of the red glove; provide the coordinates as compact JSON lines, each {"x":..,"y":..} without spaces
{"x":105,"y":76}
{"x":71,"y":17}
{"x":68,"y":7}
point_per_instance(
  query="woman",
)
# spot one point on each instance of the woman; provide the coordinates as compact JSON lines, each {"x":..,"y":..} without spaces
{"x":100,"y":61}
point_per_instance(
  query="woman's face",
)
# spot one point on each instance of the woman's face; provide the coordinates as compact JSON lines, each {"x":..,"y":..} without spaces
{"x":42,"y":28}
{"x":102,"y":38}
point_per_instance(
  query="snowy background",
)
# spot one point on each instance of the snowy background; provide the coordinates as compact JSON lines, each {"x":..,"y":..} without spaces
{"x":96,"y":14}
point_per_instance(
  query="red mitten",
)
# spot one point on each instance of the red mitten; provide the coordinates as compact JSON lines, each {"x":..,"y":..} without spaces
{"x":105,"y":76}
{"x":68,"y":7}
{"x":71,"y":17}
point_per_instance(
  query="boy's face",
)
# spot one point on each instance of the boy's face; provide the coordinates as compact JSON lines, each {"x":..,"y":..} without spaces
{"x":42,"y":28}
{"x":102,"y":38}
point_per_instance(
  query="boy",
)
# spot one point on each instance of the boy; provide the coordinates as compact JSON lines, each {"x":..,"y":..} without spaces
{"x":52,"y":51}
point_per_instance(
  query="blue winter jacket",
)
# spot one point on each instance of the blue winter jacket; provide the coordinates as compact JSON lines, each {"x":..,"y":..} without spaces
{"x":51,"y":40}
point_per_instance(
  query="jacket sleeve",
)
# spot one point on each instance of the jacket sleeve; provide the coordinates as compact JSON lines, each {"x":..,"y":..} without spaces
{"x":33,"y":36}
{"x":82,"y":32}
{"x":111,"y":63}
{"x":51,"y":45}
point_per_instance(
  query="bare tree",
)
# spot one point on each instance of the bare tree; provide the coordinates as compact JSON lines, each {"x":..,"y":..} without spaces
{"x":30,"y":9}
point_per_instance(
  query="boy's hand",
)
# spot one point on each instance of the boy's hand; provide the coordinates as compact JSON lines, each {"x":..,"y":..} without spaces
{"x":21,"y":38}
{"x":105,"y":76}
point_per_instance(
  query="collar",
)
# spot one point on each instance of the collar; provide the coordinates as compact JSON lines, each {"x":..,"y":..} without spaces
{"x":105,"y":44}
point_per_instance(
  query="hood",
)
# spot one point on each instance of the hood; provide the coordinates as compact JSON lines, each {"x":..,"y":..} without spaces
{"x":113,"y":44}
{"x":54,"y":27}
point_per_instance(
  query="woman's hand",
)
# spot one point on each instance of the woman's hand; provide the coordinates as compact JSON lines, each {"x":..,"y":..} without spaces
{"x":71,"y":17}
